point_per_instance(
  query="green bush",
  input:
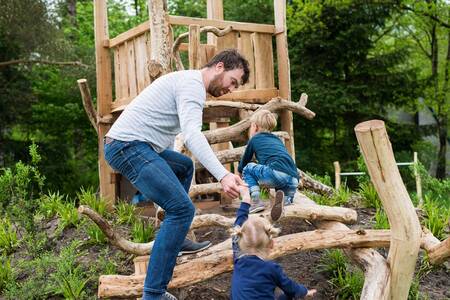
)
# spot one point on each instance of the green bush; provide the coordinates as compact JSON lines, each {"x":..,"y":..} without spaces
{"x":6,"y":274}
{"x":125,"y":213}
{"x":381,"y":219}
{"x":50,"y":203}
{"x":89,"y":198}
{"x":369,"y":195}
{"x":142,"y":232}
{"x":347,"y":282}
{"x":8,"y":237}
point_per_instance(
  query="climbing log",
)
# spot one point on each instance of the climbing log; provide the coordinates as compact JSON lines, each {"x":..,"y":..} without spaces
{"x":221,"y":261}
{"x":161,"y":38}
{"x":87,"y":102}
{"x":406,"y":232}
{"x":440,"y":252}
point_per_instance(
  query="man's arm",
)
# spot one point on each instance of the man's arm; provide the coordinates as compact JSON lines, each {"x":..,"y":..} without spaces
{"x":190,"y":111}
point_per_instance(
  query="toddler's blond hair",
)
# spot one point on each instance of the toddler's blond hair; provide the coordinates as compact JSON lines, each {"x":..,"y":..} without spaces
{"x":265,"y":120}
{"x":255,"y":236}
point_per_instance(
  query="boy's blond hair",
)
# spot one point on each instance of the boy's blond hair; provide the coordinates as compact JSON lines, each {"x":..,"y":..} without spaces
{"x":265,"y":120}
{"x":255,"y":236}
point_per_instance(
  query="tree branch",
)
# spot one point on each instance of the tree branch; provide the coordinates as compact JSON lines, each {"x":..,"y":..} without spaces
{"x":42,"y":61}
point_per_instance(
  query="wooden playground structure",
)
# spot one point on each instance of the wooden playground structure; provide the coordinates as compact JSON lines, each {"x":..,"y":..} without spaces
{"x":129,"y":62}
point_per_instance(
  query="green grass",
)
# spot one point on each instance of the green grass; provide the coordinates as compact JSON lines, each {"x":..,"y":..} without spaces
{"x":142,"y":232}
{"x":8,"y":237}
{"x":125,"y":213}
{"x":89,"y":198}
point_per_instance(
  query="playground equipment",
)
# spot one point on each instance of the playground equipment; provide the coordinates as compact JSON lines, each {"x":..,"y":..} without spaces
{"x":145,"y":52}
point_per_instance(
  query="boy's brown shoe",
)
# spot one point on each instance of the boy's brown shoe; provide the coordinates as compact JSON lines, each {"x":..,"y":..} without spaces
{"x":278,"y":206}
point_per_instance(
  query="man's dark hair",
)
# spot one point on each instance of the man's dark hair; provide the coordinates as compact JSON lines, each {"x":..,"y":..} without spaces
{"x":231,"y":59}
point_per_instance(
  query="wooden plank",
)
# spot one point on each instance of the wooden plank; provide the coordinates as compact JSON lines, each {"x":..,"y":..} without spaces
{"x":284,"y":83}
{"x":264,"y":74}
{"x":202,"y":56}
{"x":148,"y":48}
{"x":123,"y":71}
{"x":227,"y":41}
{"x":131,"y":69}
{"x":245,"y":47}
{"x":185,"y":47}
{"x":117,"y":89}
{"x":194,"y":47}
{"x":186,"y":21}
{"x":104,"y":96}
{"x":141,"y":62}
{"x":130,"y":34}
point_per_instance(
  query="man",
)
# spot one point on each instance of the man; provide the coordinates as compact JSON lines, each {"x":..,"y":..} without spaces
{"x":139,"y":145}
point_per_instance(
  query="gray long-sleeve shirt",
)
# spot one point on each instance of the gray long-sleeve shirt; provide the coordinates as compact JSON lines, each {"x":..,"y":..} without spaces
{"x":171,"y":104}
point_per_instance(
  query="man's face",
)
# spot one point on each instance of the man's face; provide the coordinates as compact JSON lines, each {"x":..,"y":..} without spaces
{"x":224,"y":81}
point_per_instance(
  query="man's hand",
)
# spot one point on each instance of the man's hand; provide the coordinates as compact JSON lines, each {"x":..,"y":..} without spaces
{"x":230,"y":184}
{"x":311,"y":293}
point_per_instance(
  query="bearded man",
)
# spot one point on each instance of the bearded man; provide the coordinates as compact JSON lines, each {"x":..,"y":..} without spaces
{"x":139,"y":146}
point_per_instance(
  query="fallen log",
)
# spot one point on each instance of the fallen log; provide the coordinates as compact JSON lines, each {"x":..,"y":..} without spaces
{"x":440,"y":252}
{"x":405,"y":226}
{"x":236,"y":132}
{"x":219,"y":262}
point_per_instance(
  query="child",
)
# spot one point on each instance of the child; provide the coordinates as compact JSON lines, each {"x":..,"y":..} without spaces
{"x":254,"y":277}
{"x":275,"y":167}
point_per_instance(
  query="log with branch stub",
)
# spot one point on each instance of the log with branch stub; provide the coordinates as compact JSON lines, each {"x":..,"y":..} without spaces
{"x":87,"y":103}
{"x":237,"y":131}
{"x":176,"y":54}
{"x":221,"y":261}
{"x":405,"y":226}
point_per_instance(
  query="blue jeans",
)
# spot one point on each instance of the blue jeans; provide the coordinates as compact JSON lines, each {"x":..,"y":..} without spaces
{"x":256,"y":175}
{"x":165,"y":178}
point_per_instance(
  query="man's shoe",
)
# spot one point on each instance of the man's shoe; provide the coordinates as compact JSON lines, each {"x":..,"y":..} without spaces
{"x":139,"y":198}
{"x":168,"y":296}
{"x":278,"y":206}
{"x":256,"y":207}
{"x":190,"y":247}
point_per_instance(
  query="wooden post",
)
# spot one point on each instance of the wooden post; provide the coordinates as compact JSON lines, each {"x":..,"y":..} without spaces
{"x":418,"y":180}
{"x":406,"y":231}
{"x":284,"y":82}
{"x":194,"y":47}
{"x":104,"y":97}
{"x":160,"y":39}
{"x":337,"y":175}
{"x":214,"y":10}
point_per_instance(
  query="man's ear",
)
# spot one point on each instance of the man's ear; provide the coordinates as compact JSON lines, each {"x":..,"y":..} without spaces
{"x":219,"y":68}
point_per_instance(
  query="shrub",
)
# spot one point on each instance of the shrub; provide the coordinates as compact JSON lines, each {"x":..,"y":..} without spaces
{"x":125,"y":213}
{"x":142,"y":232}
{"x":8,"y":236}
{"x":89,"y":198}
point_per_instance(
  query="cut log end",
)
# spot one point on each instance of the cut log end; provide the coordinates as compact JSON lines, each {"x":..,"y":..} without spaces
{"x":369,"y":125}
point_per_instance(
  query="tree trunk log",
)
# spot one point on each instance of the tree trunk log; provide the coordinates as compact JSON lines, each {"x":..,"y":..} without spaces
{"x":221,"y":261}
{"x":440,"y":252}
{"x":237,"y":131}
{"x":87,"y":103}
{"x":405,"y":226}
{"x":160,"y":36}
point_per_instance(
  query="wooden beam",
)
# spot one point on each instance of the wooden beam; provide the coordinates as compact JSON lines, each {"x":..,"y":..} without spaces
{"x":284,"y":81}
{"x":406,"y":231}
{"x":104,"y":96}
{"x":194,"y":47}
{"x":440,"y":252}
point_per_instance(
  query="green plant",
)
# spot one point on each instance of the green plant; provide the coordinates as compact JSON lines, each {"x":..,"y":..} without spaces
{"x":8,"y":236}
{"x":347,"y":282}
{"x":96,"y":236}
{"x":125,"y":213}
{"x":381,"y":219}
{"x":436,"y":218}
{"x":369,"y":194}
{"x":142,"y":232}
{"x":339,"y":198}
{"x":89,"y":198}
{"x":6,"y":274}
{"x":68,"y":214}
{"x":20,"y":187}
{"x":50,"y":203}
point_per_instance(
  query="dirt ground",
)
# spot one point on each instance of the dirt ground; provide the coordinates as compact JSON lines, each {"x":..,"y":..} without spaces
{"x":302,"y":267}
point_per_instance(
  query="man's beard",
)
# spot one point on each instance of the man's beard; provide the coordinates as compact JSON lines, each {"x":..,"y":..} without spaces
{"x":215,"y":87}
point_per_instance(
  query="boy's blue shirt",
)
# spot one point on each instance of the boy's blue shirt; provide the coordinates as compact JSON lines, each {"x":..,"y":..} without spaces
{"x":269,"y":151}
{"x":255,"y":278}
